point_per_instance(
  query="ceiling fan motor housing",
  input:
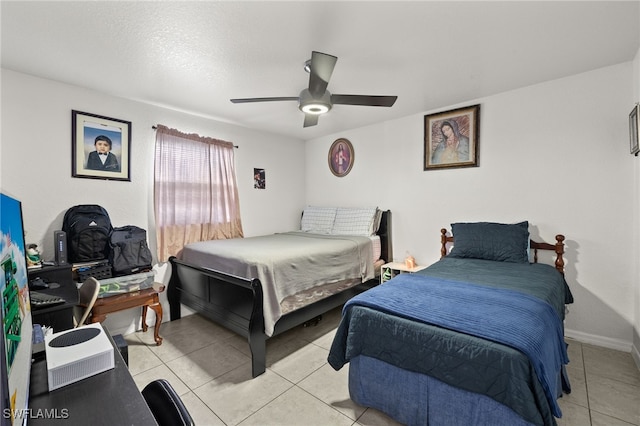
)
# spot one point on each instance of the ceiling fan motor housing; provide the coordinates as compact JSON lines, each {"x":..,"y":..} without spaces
{"x":310,"y":105}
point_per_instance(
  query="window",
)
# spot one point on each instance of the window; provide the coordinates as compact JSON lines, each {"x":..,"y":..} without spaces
{"x":195,"y":191}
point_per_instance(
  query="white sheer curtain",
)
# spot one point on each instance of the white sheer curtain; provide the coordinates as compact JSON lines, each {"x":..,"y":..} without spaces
{"x":195,"y":191}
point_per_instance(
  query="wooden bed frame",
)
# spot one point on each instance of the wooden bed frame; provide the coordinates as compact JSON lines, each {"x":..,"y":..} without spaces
{"x":558,"y":247}
{"x":236,"y":302}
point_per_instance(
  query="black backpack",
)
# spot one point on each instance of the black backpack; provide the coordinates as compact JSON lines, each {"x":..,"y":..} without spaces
{"x":130,"y":252}
{"x":88,"y":228}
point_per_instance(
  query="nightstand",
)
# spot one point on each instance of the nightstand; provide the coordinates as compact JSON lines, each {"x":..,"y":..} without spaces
{"x":390,"y":270}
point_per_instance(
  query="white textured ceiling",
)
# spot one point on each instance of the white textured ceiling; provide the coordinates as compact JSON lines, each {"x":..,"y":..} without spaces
{"x":195,"y":56}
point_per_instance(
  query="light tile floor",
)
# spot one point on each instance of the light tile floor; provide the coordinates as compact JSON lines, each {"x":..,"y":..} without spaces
{"x":209,"y":368}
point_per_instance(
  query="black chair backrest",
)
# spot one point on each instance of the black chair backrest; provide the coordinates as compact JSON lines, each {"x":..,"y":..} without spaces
{"x":165,"y":404}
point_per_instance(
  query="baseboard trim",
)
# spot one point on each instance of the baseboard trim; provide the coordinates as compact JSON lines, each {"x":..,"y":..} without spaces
{"x":607,"y":342}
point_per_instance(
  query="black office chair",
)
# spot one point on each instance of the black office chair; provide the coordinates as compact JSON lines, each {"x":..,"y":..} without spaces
{"x":165,"y":404}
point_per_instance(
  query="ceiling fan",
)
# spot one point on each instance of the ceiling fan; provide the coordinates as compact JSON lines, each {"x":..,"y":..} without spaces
{"x":316,"y":99}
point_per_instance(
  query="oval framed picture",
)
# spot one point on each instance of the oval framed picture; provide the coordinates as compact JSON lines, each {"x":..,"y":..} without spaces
{"x":341,"y":157}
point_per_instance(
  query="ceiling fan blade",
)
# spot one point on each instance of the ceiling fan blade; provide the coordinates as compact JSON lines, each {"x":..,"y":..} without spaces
{"x":364,"y":100}
{"x":310,"y":120}
{"x":320,"y":72}
{"x":247,"y":100}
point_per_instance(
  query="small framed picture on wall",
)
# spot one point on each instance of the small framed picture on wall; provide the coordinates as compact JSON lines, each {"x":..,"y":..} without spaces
{"x":259,"y":179}
{"x":341,"y":157}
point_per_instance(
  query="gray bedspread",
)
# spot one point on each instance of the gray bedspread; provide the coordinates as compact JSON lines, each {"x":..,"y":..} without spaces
{"x":286,"y":263}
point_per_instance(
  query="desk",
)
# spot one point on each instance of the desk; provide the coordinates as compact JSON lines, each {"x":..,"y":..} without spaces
{"x":108,"y":398}
{"x":147,"y":298}
{"x":60,"y":317}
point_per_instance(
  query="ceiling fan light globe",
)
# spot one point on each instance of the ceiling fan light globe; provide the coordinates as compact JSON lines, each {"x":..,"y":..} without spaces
{"x":315,"y":109}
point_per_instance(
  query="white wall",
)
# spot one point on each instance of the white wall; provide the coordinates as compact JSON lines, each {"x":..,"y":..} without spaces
{"x":36,"y":164}
{"x":556,"y":154}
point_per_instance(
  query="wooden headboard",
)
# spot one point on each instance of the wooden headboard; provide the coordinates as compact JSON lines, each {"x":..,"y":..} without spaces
{"x":558,"y":247}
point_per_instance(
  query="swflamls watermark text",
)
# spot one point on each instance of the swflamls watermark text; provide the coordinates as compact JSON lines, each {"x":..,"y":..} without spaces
{"x":36,"y":413}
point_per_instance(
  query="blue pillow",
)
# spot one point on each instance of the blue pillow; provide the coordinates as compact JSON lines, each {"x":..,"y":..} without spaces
{"x":491,"y":241}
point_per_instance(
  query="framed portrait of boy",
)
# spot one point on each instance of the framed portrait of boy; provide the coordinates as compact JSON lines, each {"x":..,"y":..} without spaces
{"x":100,"y":147}
{"x":451,"y":138}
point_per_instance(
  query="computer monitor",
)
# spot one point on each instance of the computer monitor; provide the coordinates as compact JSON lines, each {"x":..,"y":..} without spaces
{"x":15,"y":315}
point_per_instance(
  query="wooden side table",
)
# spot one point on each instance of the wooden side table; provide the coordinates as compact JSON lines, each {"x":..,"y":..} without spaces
{"x":395,"y":268}
{"x":147,"y":298}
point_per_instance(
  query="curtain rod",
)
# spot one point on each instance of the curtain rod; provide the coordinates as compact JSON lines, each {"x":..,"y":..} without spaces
{"x":155,"y":128}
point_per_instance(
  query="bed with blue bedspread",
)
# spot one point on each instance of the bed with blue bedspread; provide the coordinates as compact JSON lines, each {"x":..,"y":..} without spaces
{"x":477,"y":338}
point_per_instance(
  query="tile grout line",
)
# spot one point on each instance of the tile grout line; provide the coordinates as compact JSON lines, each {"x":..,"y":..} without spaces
{"x":586,"y":383}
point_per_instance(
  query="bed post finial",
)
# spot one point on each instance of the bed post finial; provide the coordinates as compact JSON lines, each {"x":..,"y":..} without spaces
{"x":559,"y":253}
{"x":443,"y":242}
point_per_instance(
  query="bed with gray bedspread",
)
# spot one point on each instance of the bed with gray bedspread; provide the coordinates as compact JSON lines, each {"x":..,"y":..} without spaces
{"x":242,"y":284}
{"x":287,"y":263}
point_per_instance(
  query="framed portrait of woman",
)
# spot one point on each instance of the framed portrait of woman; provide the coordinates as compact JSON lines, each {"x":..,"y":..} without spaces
{"x":451,"y":138}
{"x":341,"y":156}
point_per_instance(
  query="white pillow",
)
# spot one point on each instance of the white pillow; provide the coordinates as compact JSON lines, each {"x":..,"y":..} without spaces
{"x":355,"y":221}
{"x":318,"y":220}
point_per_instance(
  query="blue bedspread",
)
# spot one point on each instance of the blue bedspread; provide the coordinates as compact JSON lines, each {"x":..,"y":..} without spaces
{"x":512,"y":318}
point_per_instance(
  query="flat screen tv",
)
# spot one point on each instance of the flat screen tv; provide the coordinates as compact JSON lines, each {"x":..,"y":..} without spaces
{"x":15,"y":313}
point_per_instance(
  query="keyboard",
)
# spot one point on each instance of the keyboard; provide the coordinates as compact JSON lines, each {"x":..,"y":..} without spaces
{"x":41,"y":299}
